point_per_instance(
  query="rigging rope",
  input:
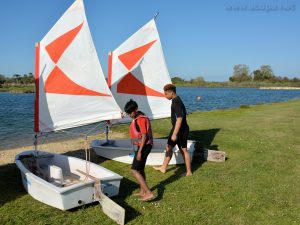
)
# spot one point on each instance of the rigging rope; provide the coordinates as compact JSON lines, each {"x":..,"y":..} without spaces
{"x":87,"y":158}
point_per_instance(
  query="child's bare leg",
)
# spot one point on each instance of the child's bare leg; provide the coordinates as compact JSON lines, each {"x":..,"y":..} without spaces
{"x":144,"y":188}
{"x":142,"y":191}
{"x":187,"y":161}
{"x":167,"y":159}
{"x":182,"y":153}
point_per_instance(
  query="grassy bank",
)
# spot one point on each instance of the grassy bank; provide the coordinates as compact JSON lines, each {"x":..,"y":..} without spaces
{"x":258,"y":184}
{"x":245,"y":84}
{"x":18,"y":89}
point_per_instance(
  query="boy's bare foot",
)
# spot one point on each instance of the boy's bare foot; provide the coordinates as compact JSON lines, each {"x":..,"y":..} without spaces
{"x":139,"y":194}
{"x":147,"y":197}
{"x":186,"y":174}
{"x":159,"y":168}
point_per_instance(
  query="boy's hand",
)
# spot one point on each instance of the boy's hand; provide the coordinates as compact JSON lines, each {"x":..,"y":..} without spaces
{"x":139,"y":156}
{"x":174,"y":137}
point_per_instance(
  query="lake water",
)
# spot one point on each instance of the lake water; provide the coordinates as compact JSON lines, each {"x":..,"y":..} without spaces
{"x":16,"y":110}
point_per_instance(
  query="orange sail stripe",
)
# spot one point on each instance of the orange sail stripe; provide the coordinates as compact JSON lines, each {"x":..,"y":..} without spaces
{"x":59,"y":83}
{"x":130,"y":85}
{"x":129,"y":59}
{"x":57,"y":47}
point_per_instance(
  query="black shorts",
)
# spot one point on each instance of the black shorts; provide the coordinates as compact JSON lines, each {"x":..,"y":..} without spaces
{"x":182,"y":137}
{"x":140,"y":165}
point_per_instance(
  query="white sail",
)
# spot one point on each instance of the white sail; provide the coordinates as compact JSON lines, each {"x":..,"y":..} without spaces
{"x":137,"y":70}
{"x":71,"y":87}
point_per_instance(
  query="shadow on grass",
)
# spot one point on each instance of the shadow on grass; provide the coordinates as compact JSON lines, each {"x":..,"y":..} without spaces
{"x":204,"y":139}
{"x":10,"y":183}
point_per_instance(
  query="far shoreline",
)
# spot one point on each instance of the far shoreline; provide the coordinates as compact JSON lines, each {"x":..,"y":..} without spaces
{"x":25,"y":90}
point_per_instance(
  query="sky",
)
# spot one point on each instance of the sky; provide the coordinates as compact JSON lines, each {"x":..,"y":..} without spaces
{"x":199,"y":37}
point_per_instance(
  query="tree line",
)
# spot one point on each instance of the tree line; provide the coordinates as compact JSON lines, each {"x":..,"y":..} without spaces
{"x":17,"y":80}
{"x":242,"y":77}
{"x":242,"y":73}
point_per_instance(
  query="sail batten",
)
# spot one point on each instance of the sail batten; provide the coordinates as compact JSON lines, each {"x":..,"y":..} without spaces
{"x":139,"y":72}
{"x":71,"y":89}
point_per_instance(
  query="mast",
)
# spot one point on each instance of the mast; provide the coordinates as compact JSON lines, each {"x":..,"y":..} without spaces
{"x":109,"y":69}
{"x":37,"y":89}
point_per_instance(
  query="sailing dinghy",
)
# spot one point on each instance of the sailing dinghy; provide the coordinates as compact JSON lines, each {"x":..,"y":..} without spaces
{"x":71,"y":91}
{"x":137,"y":70}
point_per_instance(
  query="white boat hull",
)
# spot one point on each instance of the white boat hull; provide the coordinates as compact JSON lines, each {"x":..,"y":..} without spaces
{"x":122,"y":151}
{"x":72,"y":193}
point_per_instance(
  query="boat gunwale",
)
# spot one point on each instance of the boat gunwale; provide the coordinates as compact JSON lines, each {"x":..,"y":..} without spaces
{"x":153,"y":150}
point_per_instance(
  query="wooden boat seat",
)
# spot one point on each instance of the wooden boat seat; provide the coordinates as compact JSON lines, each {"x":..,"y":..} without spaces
{"x":70,"y":179}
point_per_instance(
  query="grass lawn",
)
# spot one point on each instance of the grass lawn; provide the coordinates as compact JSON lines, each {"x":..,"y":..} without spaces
{"x":258,"y":184}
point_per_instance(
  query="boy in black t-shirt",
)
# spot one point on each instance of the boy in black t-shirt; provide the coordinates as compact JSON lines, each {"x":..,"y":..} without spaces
{"x":179,"y":132}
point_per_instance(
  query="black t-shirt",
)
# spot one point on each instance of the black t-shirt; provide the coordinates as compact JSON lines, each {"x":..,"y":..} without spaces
{"x":178,"y":110}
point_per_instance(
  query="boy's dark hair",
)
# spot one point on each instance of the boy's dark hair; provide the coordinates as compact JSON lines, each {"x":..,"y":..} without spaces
{"x":130,"y":106}
{"x":170,"y":87}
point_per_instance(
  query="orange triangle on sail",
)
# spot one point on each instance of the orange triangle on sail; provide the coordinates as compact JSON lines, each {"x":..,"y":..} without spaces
{"x":129,"y":59}
{"x":58,"y":83}
{"x":57,"y":47}
{"x":130,"y":85}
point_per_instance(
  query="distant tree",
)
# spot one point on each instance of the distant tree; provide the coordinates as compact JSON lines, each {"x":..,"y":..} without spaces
{"x":199,"y":81}
{"x":31,"y":78}
{"x":2,"y":79}
{"x":267,"y":72}
{"x":296,"y":80}
{"x":16,"y":78}
{"x":176,"y":80}
{"x":240,"y":73}
{"x":274,"y":79}
{"x":9,"y":80}
{"x":285,"y":79}
{"x":24,"y":79}
{"x":277,"y":79}
{"x":27,"y":79}
{"x":257,"y":75}
{"x":232,"y":79}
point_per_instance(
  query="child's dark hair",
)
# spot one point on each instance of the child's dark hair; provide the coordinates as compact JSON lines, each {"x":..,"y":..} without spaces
{"x":130,"y":106}
{"x":170,"y":87}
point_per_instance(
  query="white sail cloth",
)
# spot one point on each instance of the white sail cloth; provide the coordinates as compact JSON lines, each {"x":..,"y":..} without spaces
{"x":137,"y":70}
{"x":71,"y":87}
